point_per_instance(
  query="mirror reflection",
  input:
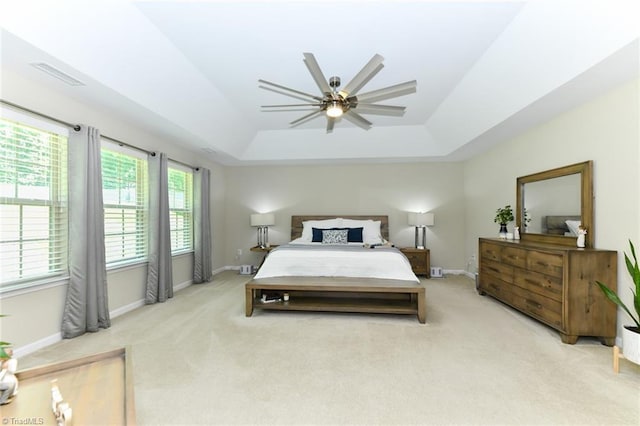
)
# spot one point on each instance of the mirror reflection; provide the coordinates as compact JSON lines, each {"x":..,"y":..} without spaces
{"x":552,"y":206}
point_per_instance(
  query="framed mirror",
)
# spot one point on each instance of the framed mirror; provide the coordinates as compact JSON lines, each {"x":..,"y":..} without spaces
{"x":551,"y":205}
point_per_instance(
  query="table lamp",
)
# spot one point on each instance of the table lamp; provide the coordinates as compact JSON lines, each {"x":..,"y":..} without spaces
{"x":421,"y":221}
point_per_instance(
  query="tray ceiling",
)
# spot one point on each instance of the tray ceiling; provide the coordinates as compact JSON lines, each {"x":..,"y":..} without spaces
{"x":189,"y":70}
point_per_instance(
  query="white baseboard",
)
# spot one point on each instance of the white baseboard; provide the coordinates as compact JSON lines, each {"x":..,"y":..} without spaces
{"x":127,"y":308}
{"x":57,"y":337}
{"x":38,"y":344}
{"x":457,"y":272}
{"x":182,"y":285}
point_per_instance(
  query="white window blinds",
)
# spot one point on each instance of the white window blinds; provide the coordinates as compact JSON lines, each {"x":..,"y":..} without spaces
{"x":181,"y":207}
{"x":124,"y":192}
{"x":33,"y":200}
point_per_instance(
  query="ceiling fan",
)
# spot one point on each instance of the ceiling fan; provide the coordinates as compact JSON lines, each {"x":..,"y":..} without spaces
{"x":336,"y":103}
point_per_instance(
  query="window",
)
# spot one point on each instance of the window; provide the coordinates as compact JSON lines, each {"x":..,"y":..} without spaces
{"x":124,"y":193}
{"x":180,"y":207}
{"x":33,"y":199}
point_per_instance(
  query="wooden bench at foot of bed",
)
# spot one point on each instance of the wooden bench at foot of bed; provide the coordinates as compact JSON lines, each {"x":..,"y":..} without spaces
{"x":338,"y":294}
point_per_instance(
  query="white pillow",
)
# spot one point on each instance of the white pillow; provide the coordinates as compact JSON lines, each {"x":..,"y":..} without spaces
{"x":307,"y":232}
{"x":370,"y":232}
{"x":573,"y":226}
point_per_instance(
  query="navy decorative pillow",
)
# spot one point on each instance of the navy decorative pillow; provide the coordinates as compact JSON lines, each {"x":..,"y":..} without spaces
{"x":334,"y":236}
{"x":354,"y":235}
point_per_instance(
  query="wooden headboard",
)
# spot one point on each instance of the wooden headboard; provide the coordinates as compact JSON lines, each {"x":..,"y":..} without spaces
{"x":296,"y":223}
{"x":557,"y":225}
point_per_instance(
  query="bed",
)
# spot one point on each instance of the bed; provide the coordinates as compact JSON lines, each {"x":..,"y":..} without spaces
{"x":345,"y":276}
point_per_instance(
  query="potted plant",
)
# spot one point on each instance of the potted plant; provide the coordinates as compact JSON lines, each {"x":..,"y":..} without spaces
{"x":504,"y":215}
{"x":527,"y":219}
{"x":630,"y":333}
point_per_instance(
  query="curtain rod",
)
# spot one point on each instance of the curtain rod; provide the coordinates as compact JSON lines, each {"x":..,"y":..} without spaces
{"x":76,"y":127}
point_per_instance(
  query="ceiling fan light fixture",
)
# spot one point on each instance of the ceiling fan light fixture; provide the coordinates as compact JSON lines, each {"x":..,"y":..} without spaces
{"x":335,"y":103}
{"x":334,"y":110}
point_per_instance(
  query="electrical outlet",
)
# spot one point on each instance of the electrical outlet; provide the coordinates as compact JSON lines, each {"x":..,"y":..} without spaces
{"x":239,"y":252}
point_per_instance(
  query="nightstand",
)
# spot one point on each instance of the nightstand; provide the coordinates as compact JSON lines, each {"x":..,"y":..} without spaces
{"x":264,"y":250}
{"x":419,"y":259}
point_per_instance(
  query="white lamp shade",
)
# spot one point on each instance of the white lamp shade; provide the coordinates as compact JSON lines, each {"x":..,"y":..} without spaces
{"x":421,"y":219}
{"x":262,"y":219}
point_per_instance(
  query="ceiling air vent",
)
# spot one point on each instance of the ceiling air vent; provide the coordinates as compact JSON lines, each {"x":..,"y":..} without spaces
{"x":54,"y":72}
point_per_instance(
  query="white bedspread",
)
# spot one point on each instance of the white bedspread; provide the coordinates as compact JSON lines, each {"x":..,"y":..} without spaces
{"x":336,"y":261}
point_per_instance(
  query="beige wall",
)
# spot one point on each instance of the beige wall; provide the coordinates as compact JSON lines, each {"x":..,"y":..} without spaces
{"x":387,"y":189}
{"x":604,"y":130}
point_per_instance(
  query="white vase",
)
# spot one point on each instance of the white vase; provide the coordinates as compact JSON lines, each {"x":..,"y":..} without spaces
{"x":631,"y":345}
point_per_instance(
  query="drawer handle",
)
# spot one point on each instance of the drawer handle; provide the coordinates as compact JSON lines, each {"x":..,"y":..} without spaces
{"x":534,"y":304}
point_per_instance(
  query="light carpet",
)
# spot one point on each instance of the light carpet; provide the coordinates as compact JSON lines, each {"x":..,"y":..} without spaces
{"x":198,"y":360}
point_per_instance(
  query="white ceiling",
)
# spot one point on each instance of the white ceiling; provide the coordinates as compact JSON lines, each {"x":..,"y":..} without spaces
{"x":188,"y":70}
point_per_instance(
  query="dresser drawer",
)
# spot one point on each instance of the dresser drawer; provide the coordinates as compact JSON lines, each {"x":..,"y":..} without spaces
{"x":496,"y":269}
{"x":544,"y":285}
{"x":490,"y":251}
{"x":545,"y":309}
{"x":545,"y":263}
{"x":514,"y":256}
{"x":495,"y":287}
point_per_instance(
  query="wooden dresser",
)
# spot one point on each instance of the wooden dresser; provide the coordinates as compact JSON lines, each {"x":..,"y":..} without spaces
{"x":552,"y":283}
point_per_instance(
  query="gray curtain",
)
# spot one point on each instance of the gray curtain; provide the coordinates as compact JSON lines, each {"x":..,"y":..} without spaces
{"x":160,"y":271}
{"x":202,"y":265}
{"x":86,"y":307}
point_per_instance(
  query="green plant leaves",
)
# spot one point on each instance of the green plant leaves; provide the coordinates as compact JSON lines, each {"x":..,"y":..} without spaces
{"x":634,"y":272}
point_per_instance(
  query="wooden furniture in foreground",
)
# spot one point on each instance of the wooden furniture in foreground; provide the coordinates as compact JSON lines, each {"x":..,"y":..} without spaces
{"x":419,"y":259}
{"x":554,"y":284}
{"x":99,"y":389}
{"x":338,"y":294}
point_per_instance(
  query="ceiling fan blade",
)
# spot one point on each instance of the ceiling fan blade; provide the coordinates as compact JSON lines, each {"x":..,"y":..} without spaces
{"x":291,"y":105}
{"x":285,"y":93}
{"x":362,"y":108}
{"x":316,"y":72}
{"x":330,"y":123}
{"x":357,"y":119}
{"x":388,"y":92}
{"x":298,"y":92}
{"x":306,"y":118}
{"x":366,"y":73}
